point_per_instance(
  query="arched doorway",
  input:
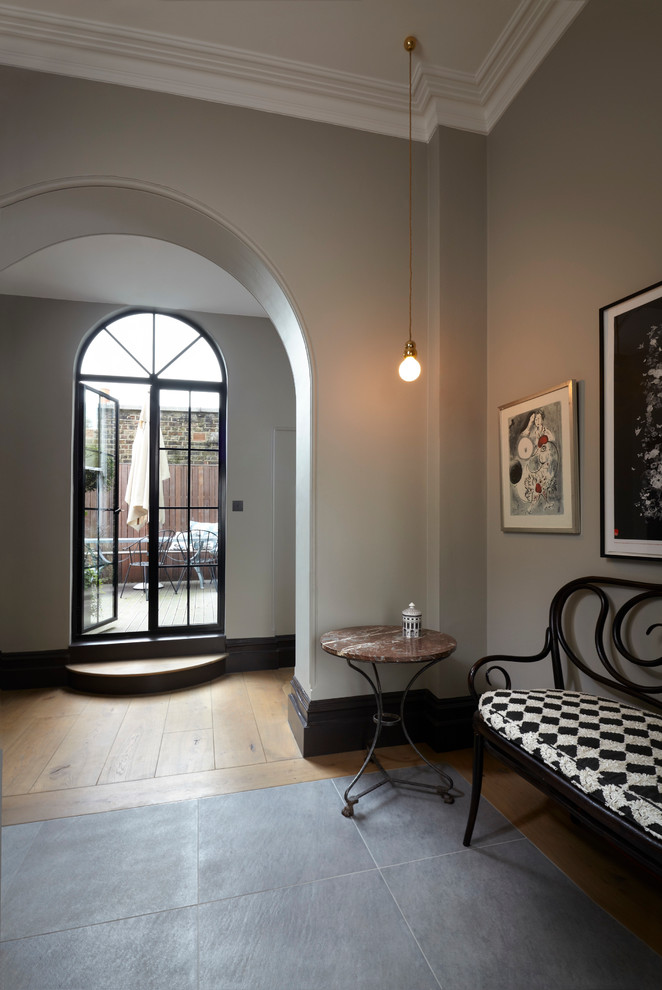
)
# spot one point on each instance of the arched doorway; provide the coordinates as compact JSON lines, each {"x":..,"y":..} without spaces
{"x":149,"y":480}
{"x":40,"y":216}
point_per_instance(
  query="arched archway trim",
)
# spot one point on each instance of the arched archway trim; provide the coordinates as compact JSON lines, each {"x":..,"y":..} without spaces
{"x":39,"y":216}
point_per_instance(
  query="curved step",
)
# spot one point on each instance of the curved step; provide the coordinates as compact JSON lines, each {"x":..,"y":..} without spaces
{"x":145,"y":676}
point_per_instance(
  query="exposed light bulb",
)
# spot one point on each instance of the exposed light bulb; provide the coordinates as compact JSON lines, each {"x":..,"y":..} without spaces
{"x":410,"y":368}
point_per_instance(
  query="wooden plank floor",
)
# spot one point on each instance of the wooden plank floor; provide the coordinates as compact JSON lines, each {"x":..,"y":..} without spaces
{"x":71,"y":754}
{"x":68,"y":753}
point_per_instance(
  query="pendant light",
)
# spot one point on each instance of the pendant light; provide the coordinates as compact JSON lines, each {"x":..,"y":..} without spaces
{"x":410,"y":368}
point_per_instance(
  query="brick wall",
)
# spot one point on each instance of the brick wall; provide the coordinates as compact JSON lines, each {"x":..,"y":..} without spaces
{"x":174,"y":427}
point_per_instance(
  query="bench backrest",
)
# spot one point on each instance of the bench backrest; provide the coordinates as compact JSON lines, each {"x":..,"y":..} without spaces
{"x":627,"y":634}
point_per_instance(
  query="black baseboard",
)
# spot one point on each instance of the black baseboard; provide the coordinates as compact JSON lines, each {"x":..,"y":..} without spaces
{"x":34,"y":670}
{"x":48,"y":669}
{"x":267,"y":653}
{"x":338,"y":725}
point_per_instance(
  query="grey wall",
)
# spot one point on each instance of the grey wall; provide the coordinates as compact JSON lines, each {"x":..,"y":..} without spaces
{"x":326,"y":208}
{"x":575,"y":215}
{"x":39,"y":341}
{"x":405,"y":499}
{"x":457,"y":288}
{"x":38,"y":347}
{"x":260,"y":403}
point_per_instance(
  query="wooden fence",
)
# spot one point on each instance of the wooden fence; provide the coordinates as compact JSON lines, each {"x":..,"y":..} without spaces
{"x":203,"y":498}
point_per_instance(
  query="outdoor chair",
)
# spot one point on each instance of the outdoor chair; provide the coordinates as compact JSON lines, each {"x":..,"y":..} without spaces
{"x":138,"y":557}
{"x":194,"y":551}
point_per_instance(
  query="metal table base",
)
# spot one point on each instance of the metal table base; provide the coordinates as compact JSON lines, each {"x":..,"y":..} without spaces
{"x":383,"y":720}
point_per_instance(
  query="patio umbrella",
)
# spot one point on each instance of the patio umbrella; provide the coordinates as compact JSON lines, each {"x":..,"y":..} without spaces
{"x":137,"y":487}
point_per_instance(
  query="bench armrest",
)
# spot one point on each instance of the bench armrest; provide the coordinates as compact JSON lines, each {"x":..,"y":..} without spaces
{"x":494,"y":660}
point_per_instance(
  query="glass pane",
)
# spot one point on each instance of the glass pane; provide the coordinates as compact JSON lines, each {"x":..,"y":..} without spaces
{"x":173,"y":560}
{"x":174,"y":498}
{"x":134,"y":555}
{"x":204,"y":489}
{"x":174,"y":419}
{"x":91,"y":454}
{"x":129,"y":395}
{"x":133,"y":603}
{"x":171,"y":337}
{"x":199,"y":364}
{"x":190,"y":593}
{"x":104,"y":356}
{"x":174,"y":522}
{"x":99,"y":522}
{"x":205,"y":420}
{"x":209,"y":459}
{"x":107,"y":466}
{"x":205,"y":610}
{"x":90,"y":569}
{"x":136,"y":333}
{"x":174,"y":398}
{"x":174,"y":411}
{"x":206,"y":520}
{"x":105,"y":569}
{"x":203,"y":574}
{"x":134,"y":468}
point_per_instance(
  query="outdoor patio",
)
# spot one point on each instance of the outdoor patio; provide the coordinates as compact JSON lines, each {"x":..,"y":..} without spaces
{"x":132,"y":607}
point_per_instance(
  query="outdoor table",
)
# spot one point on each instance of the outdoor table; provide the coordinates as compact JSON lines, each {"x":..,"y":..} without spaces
{"x":386,"y":644}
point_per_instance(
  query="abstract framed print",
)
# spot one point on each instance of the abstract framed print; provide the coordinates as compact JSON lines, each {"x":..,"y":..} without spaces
{"x":539,"y":462}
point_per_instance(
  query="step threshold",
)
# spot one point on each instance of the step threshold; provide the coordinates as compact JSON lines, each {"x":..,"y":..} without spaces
{"x":145,"y":676}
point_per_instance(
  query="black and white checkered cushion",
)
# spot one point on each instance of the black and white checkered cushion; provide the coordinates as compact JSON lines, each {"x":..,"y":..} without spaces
{"x":610,"y":751}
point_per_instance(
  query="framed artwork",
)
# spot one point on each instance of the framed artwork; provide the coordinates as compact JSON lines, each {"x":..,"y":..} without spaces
{"x":631,"y":425}
{"x":539,"y":462}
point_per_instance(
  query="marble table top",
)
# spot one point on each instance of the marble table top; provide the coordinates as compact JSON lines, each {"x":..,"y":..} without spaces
{"x":386,"y":644}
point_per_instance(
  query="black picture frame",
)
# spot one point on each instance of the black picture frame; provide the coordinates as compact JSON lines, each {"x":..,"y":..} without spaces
{"x":631,"y":425}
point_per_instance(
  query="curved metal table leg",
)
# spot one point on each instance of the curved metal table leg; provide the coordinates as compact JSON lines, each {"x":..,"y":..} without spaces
{"x":381,"y":719}
{"x":446,"y":780}
{"x":378,"y":719}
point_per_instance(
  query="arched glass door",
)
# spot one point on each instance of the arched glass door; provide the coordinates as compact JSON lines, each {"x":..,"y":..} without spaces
{"x":149,"y":480}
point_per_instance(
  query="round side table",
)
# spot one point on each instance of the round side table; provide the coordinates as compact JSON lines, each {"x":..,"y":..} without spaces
{"x":386,"y":644}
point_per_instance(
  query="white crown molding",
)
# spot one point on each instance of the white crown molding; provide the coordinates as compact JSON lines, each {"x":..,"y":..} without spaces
{"x":148,"y":60}
{"x":534,"y":29}
{"x":475,"y":103}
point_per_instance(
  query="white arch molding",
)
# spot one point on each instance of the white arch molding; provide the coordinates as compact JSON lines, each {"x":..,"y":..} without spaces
{"x":37,"y":217}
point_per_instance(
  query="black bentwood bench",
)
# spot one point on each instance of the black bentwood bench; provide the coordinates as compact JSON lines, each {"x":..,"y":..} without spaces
{"x":599,"y":758}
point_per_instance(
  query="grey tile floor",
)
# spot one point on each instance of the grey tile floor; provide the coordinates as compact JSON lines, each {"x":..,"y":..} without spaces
{"x":276,"y":890}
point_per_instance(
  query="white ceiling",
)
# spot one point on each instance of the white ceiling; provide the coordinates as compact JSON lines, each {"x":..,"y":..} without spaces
{"x":131,"y":271}
{"x":340,"y":61}
{"x":337,"y":61}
